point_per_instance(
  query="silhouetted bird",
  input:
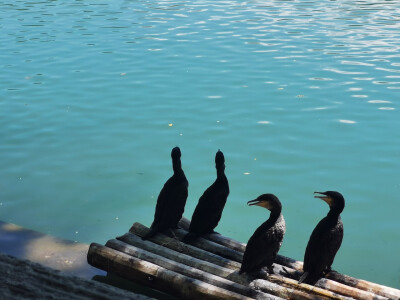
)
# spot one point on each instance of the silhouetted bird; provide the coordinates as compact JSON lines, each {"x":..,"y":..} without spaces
{"x":264,"y":244}
{"x":325,"y":240}
{"x":208,"y":211}
{"x":171,"y":200}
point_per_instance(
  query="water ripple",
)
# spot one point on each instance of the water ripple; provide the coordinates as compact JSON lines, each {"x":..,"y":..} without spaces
{"x":95,"y":93}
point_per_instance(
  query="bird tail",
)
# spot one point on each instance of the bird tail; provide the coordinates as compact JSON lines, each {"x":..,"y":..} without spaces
{"x":152,"y":232}
{"x":308,"y":278}
{"x":190,"y":237}
{"x":303,"y":277}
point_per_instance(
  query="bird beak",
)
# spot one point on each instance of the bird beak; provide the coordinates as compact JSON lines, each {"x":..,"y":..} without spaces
{"x":261,"y":203}
{"x":253,"y":202}
{"x":324,"y":197}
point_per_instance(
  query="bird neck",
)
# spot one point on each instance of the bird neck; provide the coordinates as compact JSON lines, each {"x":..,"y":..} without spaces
{"x":333,"y":214}
{"x":275,"y":214}
{"x":220,"y":171}
{"x":177,"y":166}
{"x":273,"y":218}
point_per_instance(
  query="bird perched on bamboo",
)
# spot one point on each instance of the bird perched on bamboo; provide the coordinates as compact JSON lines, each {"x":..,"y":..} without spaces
{"x":325,"y":240}
{"x":264,"y":244}
{"x":171,"y":200}
{"x":209,"y":209}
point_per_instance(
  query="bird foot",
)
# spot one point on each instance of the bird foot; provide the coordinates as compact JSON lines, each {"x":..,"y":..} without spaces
{"x":213,"y":232}
{"x":264,"y":272}
{"x":291,"y":274}
{"x":326,"y":271}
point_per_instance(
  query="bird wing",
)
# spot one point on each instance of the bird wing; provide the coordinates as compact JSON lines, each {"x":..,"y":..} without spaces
{"x":162,"y":202}
{"x":171,"y":202}
{"x":321,"y":249}
{"x":209,"y":209}
{"x":177,"y":202}
{"x":202,"y":210}
{"x":253,"y":254}
{"x":262,"y":248}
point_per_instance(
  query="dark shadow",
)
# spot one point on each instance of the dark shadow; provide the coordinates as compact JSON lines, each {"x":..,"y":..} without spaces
{"x":127,"y":285}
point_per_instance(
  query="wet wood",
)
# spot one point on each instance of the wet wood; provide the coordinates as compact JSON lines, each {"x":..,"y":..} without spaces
{"x":155,"y":276}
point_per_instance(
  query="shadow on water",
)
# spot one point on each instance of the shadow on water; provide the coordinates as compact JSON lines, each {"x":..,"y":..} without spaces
{"x":59,"y":254}
{"x":66,"y":256}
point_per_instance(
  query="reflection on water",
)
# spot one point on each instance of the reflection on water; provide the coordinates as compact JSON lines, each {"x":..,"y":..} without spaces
{"x":300,"y":96}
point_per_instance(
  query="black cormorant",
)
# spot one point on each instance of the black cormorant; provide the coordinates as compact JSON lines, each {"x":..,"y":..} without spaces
{"x":264,"y":244}
{"x":171,"y":200}
{"x":211,"y":204}
{"x":325,"y":240}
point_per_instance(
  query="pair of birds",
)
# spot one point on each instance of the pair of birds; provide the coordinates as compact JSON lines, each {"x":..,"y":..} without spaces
{"x":325,"y":240}
{"x":263,"y":246}
{"x":172,"y":200}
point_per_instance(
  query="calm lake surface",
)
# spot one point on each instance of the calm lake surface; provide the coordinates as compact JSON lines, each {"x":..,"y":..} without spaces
{"x":301,"y":96}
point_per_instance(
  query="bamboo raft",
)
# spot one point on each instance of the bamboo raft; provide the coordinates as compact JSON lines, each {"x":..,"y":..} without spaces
{"x":208,"y":269}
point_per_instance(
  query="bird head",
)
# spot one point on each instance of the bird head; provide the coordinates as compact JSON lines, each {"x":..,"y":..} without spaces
{"x":176,"y":153}
{"x":268,"y":201}
{"x":219,"y":159}
{"x":334,"y":199}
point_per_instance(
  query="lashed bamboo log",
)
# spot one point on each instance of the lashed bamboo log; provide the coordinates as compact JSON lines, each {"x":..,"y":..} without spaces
{"x":141,"y":230}
{"x":240,"y":247}
{"x":185,"y":270}
{"x":342,"y":284}
{"x":155,"y":276}
{"x":211,"y":246}
{"x":262,"y":285}
{"x":176,"y":245}
{"x":181,"y":257}
{"x":364,"y":285}
{"x":270,"y":287}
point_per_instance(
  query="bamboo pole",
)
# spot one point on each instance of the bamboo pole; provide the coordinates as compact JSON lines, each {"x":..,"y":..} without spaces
{"x":240,"y":247}
{"x":231,"y":274}
{"x":173,"y":244}
{"x":292,"y":294}
{"x":211,"y":246}
{"x":216,"y":237}
{"x":375,"y":288}
{"x":185,"y":258}
{"x":154,"y":276}
{"x":178,"y":246}
{"x":338,"y":283}
{"x":185,"y":270}
{"x":275,"y":289}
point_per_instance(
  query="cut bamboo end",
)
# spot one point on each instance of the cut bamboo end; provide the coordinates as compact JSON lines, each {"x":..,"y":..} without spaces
{"x":155,"y":276}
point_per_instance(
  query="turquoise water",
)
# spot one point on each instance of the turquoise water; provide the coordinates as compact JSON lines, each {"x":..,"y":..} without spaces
{"x":300,"y":96}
